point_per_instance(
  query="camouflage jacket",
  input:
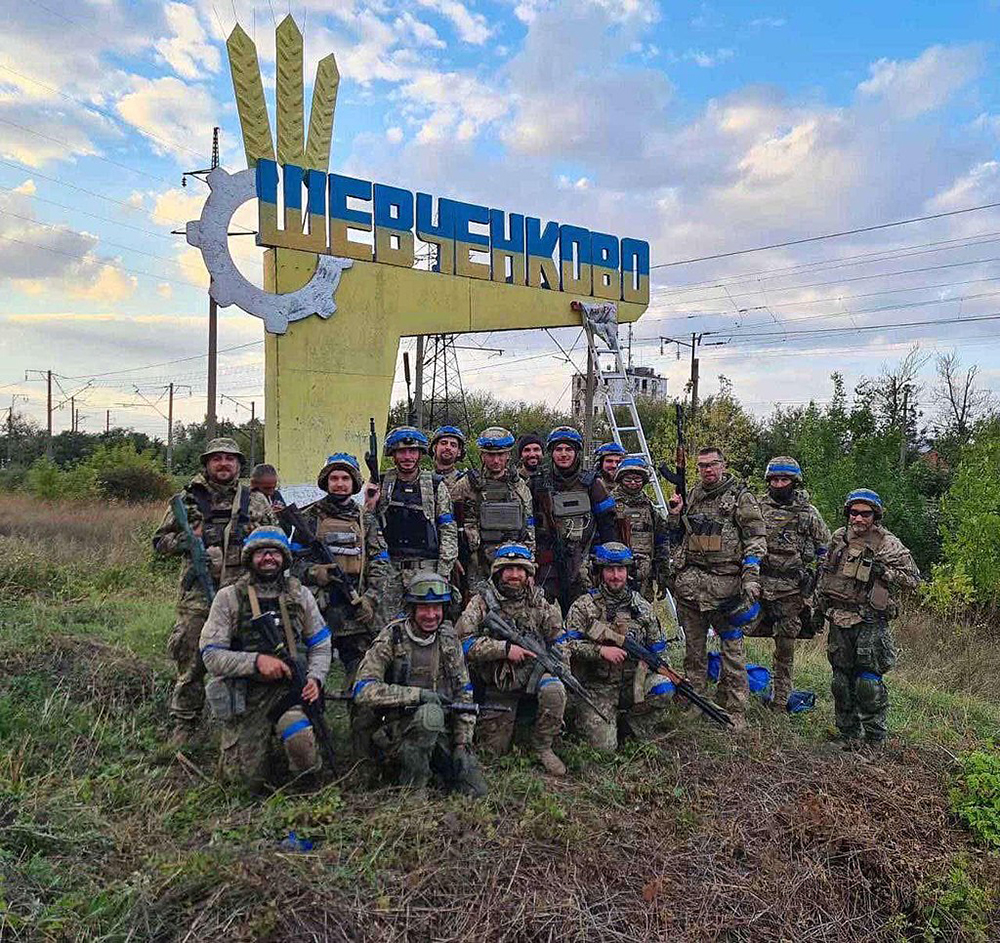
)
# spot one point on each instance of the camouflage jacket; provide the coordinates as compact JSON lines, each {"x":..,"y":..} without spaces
{"x":599,"y":612}
{"x":724,"y":541}
{"x":642,"y":526}
{"x":437,"y":510}
{"x":531,"y":613}
{"x":402,"y":661}
{"x":225,"y":648}
{"x":452,"y":478}
{"x":227,"y":514}
{"x":861,"y":577}
{"x":478,"y":488}
{"x":796,"y":538}
{"x":593,"y":523}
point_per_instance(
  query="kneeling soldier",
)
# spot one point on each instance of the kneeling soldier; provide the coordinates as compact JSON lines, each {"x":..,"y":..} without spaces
{"x":248,"y":685}
{"x":507,"y":671}
{"x":413,"y":683}
{"x":615,"y":681}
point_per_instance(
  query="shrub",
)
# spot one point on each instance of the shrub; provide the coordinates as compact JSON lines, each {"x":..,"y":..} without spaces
{"x":975,"y":797}
{"x":47,"y":481}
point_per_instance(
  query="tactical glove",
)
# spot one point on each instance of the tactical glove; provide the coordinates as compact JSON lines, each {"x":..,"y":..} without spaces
{"x":751,"y":589}
{"x":364,"y":610}
{"x":215,"y":558}
{"x":431,"y":697}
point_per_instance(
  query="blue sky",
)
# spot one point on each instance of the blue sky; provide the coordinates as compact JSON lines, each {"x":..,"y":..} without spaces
{"x":704,"y":128}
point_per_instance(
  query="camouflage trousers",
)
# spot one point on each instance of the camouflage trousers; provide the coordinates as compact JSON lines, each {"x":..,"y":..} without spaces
{"x":733,"y":689}
{"x":639,"y":720}
{"x":249,"y":750}
{"x":495,"y":730}
{"x":860,"y":656}
{"x":183,"y":646}
{"x":416,"y":747}
{"x":645,"y":578}
{"x":782,"y":622}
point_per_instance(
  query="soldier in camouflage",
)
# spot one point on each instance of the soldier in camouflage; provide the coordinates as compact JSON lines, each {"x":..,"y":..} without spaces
{"x":447,"y":448}
{"x":865,"y":569}
{"x":796,"y":539}
{"x":615,"y":681}
{"x":407,"y":679}
{"x":723,"y":540}
{"x":492,"y":506}
{"x":530,"y":452}
{"x":415,"y":512}
{"x":355,"y":542}
{"x":222,"y":511}
{"x":248,"y":687}
{"x":573,"y":511}
{"x":505,"y":671}
{"x":642,"y":527}
{"x":607,"y":458}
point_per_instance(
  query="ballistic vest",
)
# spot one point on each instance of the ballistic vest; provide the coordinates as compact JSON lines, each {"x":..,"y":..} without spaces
{"x":572,"y":510}
{"x":622,"y":616}
{"x":217,"y":509}
{"x":417,"y":663}
{"x":789,"y":536}
{"x":500,"y":514}
{"x":712,"y":537}
{"x":846,"y":579}
{"x":408,"y":531}
{"x":248,"y":637}
{"x":637,"y":513}
{"x":341,"y":534}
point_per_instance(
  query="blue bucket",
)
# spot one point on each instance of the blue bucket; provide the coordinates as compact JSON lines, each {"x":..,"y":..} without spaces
{"x":758,"y":678}
{"x":714,"y":665}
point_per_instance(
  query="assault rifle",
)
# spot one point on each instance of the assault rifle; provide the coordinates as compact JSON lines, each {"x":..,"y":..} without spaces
{"x":683,"y":687}
{"x":371,"y":456}
{"x":455,"y":707}
{"x":550,"y":663}
{"x":200,"y":566}
{"x":294,"y":522}
{"x":678,"y":476}
{"x":271,"y":632}
{"x":558,"y":547}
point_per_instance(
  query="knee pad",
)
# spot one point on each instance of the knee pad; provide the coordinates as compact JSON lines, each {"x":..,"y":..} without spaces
{"x":551,"y":694}
{"x":870,"y":692}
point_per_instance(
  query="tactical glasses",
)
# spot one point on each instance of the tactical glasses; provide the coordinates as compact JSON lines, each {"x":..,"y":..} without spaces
{"x":864,"y":514}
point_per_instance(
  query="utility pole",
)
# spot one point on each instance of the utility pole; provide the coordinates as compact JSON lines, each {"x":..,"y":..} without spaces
{"x":72,"y":414}
{"x":694,"y":344}
{"x":107,"y":421}
{"x":170,"y":428}
{"x":588,"y":406}
{"x":48,"y":406}
{"x":418,"y":395}
{"x":10,"y":424}
{"x":902,"y":429}
{"x":253,"y":432}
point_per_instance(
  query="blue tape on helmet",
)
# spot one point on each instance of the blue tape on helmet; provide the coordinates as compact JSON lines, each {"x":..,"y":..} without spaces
{"x":609,"y":448}
{"x":495,"y":442}
{"x":513,"y":550}
{"x":618,"y":555}
{"x":566,"y":434}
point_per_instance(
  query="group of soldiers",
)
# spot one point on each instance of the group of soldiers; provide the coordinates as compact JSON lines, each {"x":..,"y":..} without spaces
{"x":462,"y":600}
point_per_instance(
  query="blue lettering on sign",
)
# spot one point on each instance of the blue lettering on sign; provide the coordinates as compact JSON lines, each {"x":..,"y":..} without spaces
{"x":553,"y":256}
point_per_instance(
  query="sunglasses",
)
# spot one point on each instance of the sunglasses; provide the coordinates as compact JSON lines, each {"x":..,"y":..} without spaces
{"x":865,"y":514}
{"x":709,"y":464}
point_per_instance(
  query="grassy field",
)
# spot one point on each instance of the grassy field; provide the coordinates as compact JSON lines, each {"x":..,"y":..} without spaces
{"x":775,"y":835}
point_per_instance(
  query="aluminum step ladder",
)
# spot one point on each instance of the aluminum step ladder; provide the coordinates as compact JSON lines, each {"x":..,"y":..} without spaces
{"x":600,"y":321}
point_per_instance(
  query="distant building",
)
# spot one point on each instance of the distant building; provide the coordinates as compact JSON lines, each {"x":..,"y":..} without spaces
{"x":642,"y":380}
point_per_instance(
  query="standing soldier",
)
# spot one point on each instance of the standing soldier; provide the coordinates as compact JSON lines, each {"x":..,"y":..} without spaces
{"x":248,"y":685}
{"x":718,"y":574}
{"x":447,"y":450}
{"x":573,"y":510}
{"x":348,"y":593}
{"x":414,"y":510}
{"x":642,"y":526}
{"x":410,"y":681}
{"x":264,"y":478}
{"x":506,"y":670}
{"x":492,"y":506}
{"x":221,"y":511}
{"x":796,"y":538}
{"x":529,"y":455}
{"x":614,"y":680}
{"x":865,"y":568}
{"x":607,"y":458}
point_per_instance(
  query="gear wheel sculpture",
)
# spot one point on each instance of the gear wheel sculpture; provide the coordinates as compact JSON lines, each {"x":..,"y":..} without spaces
{"x":229,"y":286}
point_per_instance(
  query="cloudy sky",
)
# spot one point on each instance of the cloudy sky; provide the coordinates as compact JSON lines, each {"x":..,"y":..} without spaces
{"x":706,"y":128}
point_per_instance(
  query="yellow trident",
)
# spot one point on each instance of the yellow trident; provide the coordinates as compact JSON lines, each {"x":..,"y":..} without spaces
{"x":324,"y":378}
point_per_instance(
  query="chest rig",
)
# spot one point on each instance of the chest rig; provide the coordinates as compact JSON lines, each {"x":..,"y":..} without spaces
{"x":501,"y":515}
{"x":847,"y":575}
{"x":285,"y":606}
{"x":414,"y":664}
{"x":224,"y":521}
{"x":408,"y":531}
{"x":789,"y":544}
{"x":638,"y":519}
{"x":572,"y":510}
{"x":344,"y":539}
{"x":705,"y":527}
{"x":622,"y":617}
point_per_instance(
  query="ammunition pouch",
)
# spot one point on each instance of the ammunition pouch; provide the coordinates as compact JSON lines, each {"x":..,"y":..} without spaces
{"x":878,"y":596}
{"x":500,"y":519}
{"x":570,"y":504}
{"x":227,"y":697}
{"x":704,"y":533}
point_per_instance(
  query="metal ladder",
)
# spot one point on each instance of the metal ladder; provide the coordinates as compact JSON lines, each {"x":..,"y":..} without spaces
{"x":600,"y":321}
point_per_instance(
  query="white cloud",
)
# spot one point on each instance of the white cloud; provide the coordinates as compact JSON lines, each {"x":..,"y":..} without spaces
{"x":394,"y":135}
{"x":165,"y":290}
{"x":915,"y":86}
{"x":768,"y":22}
{"x":168,"y":110}
{"x":422,"y":33}
{"x":451,"y":103}
{"x":135,"y":199}
{"x":27,"y":188}
{"x":109,"y":284}
{"x":708,"y":60}
{"x":176,"y":206}
{"x":471,"y":27}
{"x":188,"y":50}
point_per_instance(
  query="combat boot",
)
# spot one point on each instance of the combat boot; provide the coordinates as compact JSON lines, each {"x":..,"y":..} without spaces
{"x":550,"y":762}
{"x":183,"y":735}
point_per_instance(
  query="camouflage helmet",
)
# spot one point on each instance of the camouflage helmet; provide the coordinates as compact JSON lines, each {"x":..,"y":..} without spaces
{"x":345,"y":462}
{"x":566,"y":435}
{"x":635,"y":465}
{"x":865,"y":496}
{"x":495,"y":439}
{"x":612,"y":553}
{"x":444,"y":432}
{"x":513,"y":555}
{"x":222,"y":444}
{"x":428,"y":587}
{"x":783,"y":465}
{"x":405,"y":437}
{"x":267,"y":535}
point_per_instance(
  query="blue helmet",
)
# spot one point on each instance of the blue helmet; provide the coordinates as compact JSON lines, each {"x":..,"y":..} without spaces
{"x":405,"y":437}
{"x":495,"y":439}
{"x":865,"y":496}
{"x":635,"y":464}
{"x":609,"y":448}
{"x":612,"y":554}
{"x":345,"y":462}
{"x":783,"y":465}
{"x":513,"y":555}
{"x":267,"y":535}
{"x":564,"y":434}
{"x":454,"y":432}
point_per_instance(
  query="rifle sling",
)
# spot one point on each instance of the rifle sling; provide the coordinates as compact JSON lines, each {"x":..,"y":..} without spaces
{"x":286,"y":622}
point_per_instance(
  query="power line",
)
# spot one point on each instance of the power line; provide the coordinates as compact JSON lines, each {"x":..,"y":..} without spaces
{"x":831,"y":235}
{"x":162,"y":363}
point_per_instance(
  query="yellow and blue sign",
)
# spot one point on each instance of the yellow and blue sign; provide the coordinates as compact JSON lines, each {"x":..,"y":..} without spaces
{"x":471,"y":240}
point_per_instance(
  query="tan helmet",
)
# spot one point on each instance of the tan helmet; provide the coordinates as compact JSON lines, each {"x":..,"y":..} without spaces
{"x":221,"y":444}
{"x":513,"y":555}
